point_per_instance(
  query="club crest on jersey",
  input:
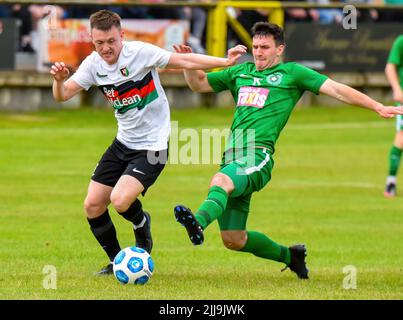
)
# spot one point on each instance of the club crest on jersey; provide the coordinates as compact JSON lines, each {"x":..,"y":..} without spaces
{"x":124,"y":71}
{"x":274,"y":78}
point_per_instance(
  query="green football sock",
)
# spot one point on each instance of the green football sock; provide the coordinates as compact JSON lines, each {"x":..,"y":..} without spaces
{"x":213,"y":207}
{"x":262,"y":246}
{"x":394,"y":160}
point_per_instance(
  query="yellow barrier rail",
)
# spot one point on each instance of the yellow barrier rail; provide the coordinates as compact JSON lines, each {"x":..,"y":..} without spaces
{"x":219,"y":16}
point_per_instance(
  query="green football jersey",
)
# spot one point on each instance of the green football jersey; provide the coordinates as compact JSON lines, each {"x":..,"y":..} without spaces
{"x":396,"y":57}
{"x":264,"y":99}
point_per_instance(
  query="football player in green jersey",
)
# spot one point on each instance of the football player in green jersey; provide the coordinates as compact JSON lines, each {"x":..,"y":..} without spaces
{"x":265,"y":92}
{"x":394,"y":74}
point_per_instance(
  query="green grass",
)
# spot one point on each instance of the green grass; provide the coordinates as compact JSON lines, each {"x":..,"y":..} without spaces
{"x":326,"y":191}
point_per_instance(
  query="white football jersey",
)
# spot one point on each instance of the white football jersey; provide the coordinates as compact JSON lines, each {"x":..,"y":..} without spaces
{"x":133,"y":88}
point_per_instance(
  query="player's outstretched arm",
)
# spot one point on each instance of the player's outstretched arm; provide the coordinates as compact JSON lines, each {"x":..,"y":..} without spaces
{"x":351,"y":96}
{"x":196,"y":79}
{"x":194,"y":61}
{"x":63,"y":90}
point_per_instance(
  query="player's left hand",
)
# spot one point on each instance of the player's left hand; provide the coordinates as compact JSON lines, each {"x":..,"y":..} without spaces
{"x":389,"y":111}
{"x":235,"y":53}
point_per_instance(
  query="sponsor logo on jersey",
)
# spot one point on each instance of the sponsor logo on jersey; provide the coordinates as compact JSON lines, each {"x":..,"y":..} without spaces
{"x":101,"y":75}
{"x":274,"y":78}
{"x":131,"y":94}
{"x":252,"y":97}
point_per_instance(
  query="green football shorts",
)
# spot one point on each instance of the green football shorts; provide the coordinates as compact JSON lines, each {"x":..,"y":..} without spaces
{"x":249,"y":170}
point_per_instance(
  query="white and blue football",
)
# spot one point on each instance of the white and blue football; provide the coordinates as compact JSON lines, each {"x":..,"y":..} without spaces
{"x":133,"y":265}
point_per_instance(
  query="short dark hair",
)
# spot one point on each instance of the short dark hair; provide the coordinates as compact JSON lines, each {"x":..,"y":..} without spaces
{"x":104,"y":20}
{"x":266,"y":29}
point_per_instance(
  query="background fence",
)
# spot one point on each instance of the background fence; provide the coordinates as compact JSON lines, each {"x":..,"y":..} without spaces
{"x":349,"y":41}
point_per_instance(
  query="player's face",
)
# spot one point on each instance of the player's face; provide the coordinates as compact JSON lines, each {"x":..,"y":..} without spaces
{"x":108,"y":44}
{"x":265,"y":52}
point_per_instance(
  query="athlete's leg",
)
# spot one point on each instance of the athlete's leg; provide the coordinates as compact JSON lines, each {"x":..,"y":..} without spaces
{"x":222,"y":184}
{"x":105,"y":176}
{"x":125,"y":200}
{"x":394,"y":159}
{"x":96,"y":207}
{"x":125,"y":192}
{"x":142,"y":171}
{"x":235,"y":236}
{"x":97,"y":199}
{"x":232,"y":222}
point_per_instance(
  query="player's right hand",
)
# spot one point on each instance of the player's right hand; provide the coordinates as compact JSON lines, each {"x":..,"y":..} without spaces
{"x":235,"y":53}
{"x":59,"y":71}
{"x":181,"y":48}
{"x":388,"y":111}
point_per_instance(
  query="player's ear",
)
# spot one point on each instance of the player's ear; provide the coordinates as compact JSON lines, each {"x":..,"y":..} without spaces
{"x":280,"y":49}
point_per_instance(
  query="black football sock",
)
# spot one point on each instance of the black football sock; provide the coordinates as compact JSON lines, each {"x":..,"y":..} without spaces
{"x":135,"y":213}
{"x":105,"y":232}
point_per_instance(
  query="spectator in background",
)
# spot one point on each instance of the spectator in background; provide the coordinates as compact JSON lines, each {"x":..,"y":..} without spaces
{"x":364,"y":15}
{"x":297,"y":14}
{"x":29,"y":17}
{"x":197,"y":17}
{"x":23,"y":14}
{"x":325,"y":15}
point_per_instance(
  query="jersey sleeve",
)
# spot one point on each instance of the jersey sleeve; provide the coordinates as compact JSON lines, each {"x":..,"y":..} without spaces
{"x":396,"y":53}
{"x":220,"y":80}
{"x":154,"y":56}
{"x":308,"y":79}
{"x":83,"y":76}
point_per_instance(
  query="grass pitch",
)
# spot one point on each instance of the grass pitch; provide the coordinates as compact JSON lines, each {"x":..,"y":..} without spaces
{"x":326,"y":192}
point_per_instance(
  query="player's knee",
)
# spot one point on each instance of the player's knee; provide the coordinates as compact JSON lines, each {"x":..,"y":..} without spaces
{"x":120,"y":202}
{"x":233,"y":241}
{"x":93,"y":208}
{"x":223,"y":181}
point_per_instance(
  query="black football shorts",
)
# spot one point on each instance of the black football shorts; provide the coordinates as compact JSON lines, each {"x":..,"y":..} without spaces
{"x":144,"y":165}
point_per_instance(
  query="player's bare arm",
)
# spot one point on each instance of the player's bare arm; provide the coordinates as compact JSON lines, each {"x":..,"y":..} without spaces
{"x":197,"y":79}
{"x":351,"y":96}
{"x":393,"y":78}
{"x":194,"y":61}
{"x":63,"y":90}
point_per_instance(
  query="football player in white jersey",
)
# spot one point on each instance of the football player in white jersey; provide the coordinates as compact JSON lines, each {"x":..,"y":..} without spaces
{"x":126,"y":73}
